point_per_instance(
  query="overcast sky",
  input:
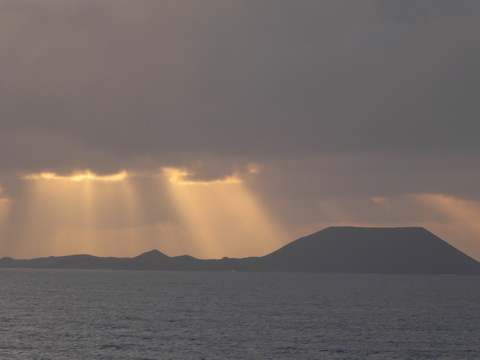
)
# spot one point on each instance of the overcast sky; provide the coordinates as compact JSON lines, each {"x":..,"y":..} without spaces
{"x":321,"y":113}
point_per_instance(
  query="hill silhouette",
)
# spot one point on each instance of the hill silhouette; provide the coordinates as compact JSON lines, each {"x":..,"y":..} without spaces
{"x":410,"y":250}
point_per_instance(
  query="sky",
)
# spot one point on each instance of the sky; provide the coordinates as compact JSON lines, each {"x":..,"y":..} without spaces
{"x":229,"y":128}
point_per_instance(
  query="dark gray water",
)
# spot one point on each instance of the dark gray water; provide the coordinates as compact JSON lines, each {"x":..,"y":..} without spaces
{"x":54,"y":314}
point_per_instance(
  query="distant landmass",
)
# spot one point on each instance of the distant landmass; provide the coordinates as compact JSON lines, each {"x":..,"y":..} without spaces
{"x":408,"y":250}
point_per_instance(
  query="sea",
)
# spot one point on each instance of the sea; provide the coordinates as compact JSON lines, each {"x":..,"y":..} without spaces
{"x":87,"y":314}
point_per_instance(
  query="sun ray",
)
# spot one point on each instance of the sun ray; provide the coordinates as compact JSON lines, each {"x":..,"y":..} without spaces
{"x":250,"y":220}
{"x":87,"y":213}
{"x":222,"y":216}
{"x":188,"y":201}
{"x":5,"y":205}
{"x":4,"y":208}
{"x":69,"y":213}
{"x":133,"y":219}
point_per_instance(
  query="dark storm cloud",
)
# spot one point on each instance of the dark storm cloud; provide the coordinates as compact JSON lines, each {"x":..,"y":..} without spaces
{"x":107,"y":85}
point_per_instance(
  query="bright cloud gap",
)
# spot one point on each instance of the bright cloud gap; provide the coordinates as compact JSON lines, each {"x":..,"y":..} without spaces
{"x":181,"y":177}
{"x":78,"y":176}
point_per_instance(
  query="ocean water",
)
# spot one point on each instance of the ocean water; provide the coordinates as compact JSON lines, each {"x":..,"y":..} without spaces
{"x":72,"y":314}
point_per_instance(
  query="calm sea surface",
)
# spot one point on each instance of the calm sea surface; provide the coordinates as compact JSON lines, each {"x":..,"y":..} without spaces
{"x":63,"y":314}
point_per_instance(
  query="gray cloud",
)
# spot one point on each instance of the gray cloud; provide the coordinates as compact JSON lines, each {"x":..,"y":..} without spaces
{"x":109,"y":85}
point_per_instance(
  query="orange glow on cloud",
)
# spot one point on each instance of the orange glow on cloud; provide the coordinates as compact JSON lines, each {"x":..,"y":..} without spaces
{"x":222,"y":217}
{"x":454,"y":219}
{"x":86,"y":175}
{"x":180,"y":176}
{"x":456,"y":209}
{"x":382,"y":201}
{"x":254,"y":168}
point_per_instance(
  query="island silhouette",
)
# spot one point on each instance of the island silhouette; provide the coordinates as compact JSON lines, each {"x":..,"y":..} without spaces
{"x":404,"y":250}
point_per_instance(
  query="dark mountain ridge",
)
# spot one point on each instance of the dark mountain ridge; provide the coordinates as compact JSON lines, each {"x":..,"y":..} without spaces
{"x":410,"y":250}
